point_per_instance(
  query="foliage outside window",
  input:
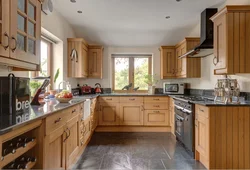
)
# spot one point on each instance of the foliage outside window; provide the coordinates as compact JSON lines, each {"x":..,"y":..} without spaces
{"x":131,"y":69}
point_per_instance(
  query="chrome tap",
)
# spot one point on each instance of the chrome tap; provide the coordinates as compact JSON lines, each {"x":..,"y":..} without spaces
{"x":68,"y":86}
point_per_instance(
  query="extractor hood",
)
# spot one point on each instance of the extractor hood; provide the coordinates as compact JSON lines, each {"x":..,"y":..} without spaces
{"x":207,"y":36}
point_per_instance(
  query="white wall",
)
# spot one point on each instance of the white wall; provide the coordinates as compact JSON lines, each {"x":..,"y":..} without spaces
{"x":60,"y":28}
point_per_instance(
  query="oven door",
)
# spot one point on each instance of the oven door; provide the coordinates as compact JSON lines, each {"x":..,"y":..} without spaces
{"x":179,"y":127}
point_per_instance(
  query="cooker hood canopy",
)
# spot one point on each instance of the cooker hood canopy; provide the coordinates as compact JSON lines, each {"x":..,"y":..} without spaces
{"x":207,"y":36}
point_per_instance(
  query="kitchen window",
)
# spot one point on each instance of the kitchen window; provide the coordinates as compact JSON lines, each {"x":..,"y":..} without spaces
{"x":46,"y":59}
{"x":128,"y":69}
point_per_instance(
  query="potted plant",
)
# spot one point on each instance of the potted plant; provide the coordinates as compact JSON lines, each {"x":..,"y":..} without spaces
{"x":53,"y":92}
{"x":151,"y":80}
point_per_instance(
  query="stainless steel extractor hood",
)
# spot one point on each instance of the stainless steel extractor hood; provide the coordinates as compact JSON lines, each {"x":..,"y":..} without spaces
{"x":207,"y":35}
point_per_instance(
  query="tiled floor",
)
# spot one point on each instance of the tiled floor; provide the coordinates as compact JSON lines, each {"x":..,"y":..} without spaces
{"x":135,"y":151}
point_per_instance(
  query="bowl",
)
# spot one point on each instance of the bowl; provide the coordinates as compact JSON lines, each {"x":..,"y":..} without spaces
{"x":63,"y":100}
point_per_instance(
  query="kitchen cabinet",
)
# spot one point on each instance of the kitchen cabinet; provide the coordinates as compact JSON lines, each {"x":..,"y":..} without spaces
{"x":172,"y":115}
{"x":187,"y":67}
{"x":232,"y":40}
{"x":95,"y":56}
{"x":109,"y":114}
{"x":156,"y":118}
{"x":20,"y":43}
{"x":168,"y":62}
{"x":131,"y":113}
{"x":94,"y":114}
{"x":77,"y":58}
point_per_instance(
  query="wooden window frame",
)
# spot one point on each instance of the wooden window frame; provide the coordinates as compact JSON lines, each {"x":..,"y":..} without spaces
{"x":131,"y":72}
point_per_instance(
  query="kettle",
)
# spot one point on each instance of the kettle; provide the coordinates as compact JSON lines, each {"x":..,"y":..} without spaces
{"x":98,"y":88}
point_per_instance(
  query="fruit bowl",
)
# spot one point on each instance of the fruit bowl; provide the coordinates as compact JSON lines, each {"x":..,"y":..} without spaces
{"x":63,"y":100}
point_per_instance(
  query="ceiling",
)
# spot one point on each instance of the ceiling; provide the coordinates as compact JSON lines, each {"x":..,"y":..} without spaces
{"x":133,"y":23}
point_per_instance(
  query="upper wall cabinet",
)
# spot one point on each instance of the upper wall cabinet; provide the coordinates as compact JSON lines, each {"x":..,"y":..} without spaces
{"x":95,"y":55}
{"x":20,"y":30}
{"x":173,"y":67}
{"x":168,"y":62}
{"x":77,"y":58}
{"x":232,"y":40}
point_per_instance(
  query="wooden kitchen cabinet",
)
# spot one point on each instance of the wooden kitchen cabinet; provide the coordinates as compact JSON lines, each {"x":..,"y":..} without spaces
{"x":187,"y":67}
{"x":232,"y":40}
{"x":172,"y":115}
{"x":168,"y":62}
{"x":20,"y":43}
{"x":95,"y":56}
{"x":156,"y":118}
{"x":77,"y":58}
{"x":131,"y":113}
{"x":109,"y":114}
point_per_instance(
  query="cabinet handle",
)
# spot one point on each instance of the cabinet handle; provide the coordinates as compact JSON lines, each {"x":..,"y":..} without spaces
{"x":108,"y":99}
{"x":66,"y":136}
{"x":7,"y":46}
{"x":201,"y":110}
{"x":156,"y":106}
{"x":100,"y":108}
{"x":132,"y":99}
{"x":156,"y":99}
{"x":69,"y":132}
{"x":142,"y":108}
{"x":14,"y":49}
{"x":215,"y":59}
{"x":58,"y":120}
{"x":173,"y":71}
{"x":73,"y":111}
{"x":156,"y":111}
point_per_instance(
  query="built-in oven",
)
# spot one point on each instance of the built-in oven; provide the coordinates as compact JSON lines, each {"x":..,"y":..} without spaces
{"x":179,"y":127}
{"x":173,"y":88}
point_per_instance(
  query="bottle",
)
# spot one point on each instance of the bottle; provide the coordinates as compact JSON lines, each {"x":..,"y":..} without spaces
{"x":28,"y":139}
{"x":10,"y":166}
{"x":19,"y":142}
{"x":8,"y":148}
{"x":27,"y":159}
{"x":21,"y":165}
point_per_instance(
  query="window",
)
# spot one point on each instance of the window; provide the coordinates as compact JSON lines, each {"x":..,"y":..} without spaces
{"x":46,"y":47}
{"x":131,"y":69}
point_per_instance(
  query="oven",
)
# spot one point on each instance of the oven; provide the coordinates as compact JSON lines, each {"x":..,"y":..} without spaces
{"x":173,"y":88}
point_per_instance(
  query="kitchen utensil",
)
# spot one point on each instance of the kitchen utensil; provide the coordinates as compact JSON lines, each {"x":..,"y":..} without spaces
{"x":86,"y":89}
{"x":98,"y":88}
{"x":35,"y":100}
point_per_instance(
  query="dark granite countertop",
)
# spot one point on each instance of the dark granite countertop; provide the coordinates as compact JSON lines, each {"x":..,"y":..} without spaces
{"x":212,"y":103}
{"x":132,"y":94}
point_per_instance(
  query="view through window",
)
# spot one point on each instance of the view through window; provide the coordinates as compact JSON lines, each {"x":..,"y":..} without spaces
{"x":45,"y":58}
{"x":131,"y":69}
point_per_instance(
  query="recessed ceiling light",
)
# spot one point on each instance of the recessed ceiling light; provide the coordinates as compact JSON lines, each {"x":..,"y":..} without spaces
{"x":178,"y":0}
{"x":79,"y":12}
{"x":73,"y":1}
{"x":167,"y":17}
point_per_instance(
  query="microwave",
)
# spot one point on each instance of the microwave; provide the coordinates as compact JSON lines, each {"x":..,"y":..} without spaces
{"x":174,"y":88}
{"x":14,"y":99}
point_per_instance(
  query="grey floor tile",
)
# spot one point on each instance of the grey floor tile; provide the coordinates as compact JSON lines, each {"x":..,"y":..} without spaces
{"x":139,"y":164}
{"x":116,"y":161}
{"x":89,"y":162}
{"x":155,"y":164}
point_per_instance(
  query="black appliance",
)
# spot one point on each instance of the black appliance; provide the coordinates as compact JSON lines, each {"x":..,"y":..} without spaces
{"x":76,"y":91}
{"x":207,"y":36}
{"x":14,"y":100}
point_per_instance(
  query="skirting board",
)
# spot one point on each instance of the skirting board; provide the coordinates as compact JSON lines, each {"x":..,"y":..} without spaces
{"x":132,"y":129}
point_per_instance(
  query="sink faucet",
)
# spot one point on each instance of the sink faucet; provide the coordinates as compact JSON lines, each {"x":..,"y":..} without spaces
{"x":68,"y":86}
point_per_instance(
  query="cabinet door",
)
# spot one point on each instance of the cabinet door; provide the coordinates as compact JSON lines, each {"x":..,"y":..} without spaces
{"x":131,"y":114}
{"x":95,"y":62}
{"x":25,"y":30}
{"x":73,"y":140}
{"x":156,"y":117}
{"x":55,"y":149}
{"x":81,"y":63}
{"x":201,"y":135}
{"x":4,"y":28}
{"x":220,"y":59}
{"x":183,"y":62}
{"x":168,"y":65}
{"x":178,"y":62}
{"x":109,"y":114}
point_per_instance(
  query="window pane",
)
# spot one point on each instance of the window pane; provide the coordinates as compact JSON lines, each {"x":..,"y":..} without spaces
{"x":31,"y":29}
{"x":21,"y":5}
{"x":31,"y":46}
{"x":44,"y":59}
{"x":121,"y":73}
{"x":21,"y":42}
{"x":141,"y":70}
{"x":31,"y":11}
{"x":21,"y":23}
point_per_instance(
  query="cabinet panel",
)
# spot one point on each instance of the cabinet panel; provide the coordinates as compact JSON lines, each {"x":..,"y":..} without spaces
{"x":156,"y":117}
{"x":109,"y":114}
{"x":95,"y":55}
{"x":168,"y":62}
{"x":25,"y":30}
{"x":4,"y":28}
{"x":131,"y":114}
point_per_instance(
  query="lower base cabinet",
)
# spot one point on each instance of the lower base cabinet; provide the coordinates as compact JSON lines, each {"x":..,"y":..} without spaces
{"x":156,"y":117}
{"x":109,"y":114}
{"x":131,"y":114}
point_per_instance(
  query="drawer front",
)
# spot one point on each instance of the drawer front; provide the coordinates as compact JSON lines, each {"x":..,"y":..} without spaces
{"x":156,"y":99}
{"x":156,"y":118}
{"x":131,"y":99}
{"x":73,"y":111}
{"x":202,"y":111}
{"x":56,"y":121}
{"x":161,"y":106}
{"x":109,"y":99}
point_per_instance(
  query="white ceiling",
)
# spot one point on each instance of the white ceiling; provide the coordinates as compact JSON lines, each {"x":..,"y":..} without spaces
{"x":133,"y":22}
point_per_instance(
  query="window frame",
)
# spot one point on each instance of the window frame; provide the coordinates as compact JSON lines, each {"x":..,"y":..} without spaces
{"x":131,"y":71}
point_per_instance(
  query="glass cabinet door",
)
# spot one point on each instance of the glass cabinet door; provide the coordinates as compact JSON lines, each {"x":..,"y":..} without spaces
{"x":25,"y":34}
{"x":4,"y":28}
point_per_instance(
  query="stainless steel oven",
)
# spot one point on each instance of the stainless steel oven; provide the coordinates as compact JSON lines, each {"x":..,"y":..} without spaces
{"x":173,"y":88}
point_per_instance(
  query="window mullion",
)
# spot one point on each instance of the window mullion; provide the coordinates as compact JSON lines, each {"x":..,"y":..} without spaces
{"x":131,"y":72}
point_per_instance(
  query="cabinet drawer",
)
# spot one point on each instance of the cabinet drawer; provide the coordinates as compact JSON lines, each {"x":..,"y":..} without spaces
{"x":131,"y":99}
{"x":202,"y":111}
{"x":156,"y":118}
{"x":73,"y":111}
{"x":155,"y":105}
{"x":156,"y":99}
{"x":109,"y":99}
{"x":56,"y":121}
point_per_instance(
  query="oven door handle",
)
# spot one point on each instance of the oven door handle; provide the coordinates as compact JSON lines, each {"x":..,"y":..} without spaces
{"x":179,"y":118}
{"x":178,"y":107}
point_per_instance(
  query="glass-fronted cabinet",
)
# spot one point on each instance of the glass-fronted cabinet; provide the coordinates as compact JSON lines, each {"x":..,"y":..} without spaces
{"x":25,"y":30}
{"x":4,"y":28}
